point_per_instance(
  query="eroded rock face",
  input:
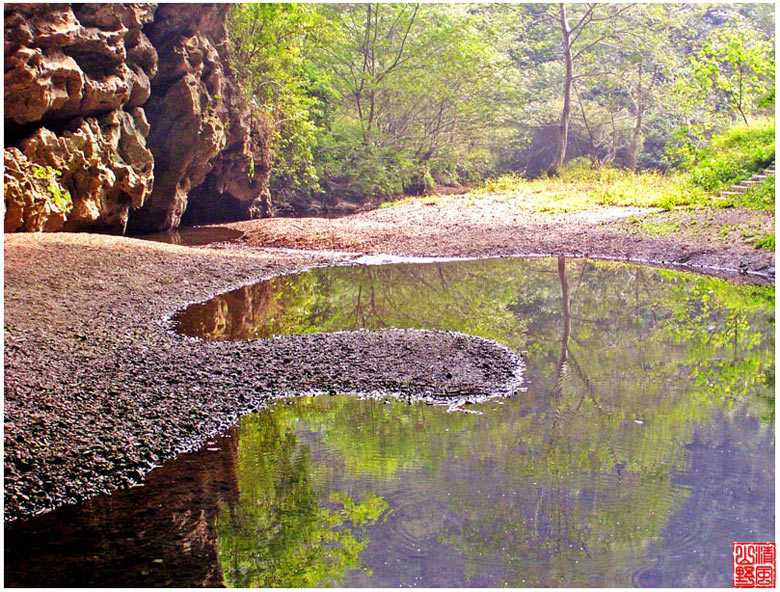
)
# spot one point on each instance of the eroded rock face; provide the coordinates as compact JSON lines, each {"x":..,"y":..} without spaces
{"x":188,"y":129}
{"x":104,"y":164}
{"x":29,"y":203}
{"x":233,"y":190}
{"x":62,"y":62}
{"x":210,"y":146}
{"x":135,"y":105}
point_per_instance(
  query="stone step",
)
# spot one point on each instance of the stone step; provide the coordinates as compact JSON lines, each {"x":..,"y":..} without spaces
{"x":744,"y":185}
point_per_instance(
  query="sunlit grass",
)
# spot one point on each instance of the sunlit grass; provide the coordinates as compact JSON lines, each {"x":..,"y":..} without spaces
{"x":579,"y":189}
{"x":758,"y":197}
{"x":427,"y":200}
{"x":606,"y":187}
{"x":765,"y":242}
{"x":732,"y":156}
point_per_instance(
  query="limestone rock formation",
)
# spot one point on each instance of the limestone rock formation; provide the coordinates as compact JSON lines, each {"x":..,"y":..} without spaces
{"x":63,"y":62}
{"x":133,"y":107}
{"x":30,"y":203}
{"x":188,"y":130}
{"x":104,"y":164}
{"x":233,"y":190}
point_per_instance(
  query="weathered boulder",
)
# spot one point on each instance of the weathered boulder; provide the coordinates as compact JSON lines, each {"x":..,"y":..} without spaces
{"x":104,"y":165}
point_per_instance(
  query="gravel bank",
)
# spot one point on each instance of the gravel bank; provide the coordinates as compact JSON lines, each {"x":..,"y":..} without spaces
{"x":461,"y":225}
{"x":98,"y":391}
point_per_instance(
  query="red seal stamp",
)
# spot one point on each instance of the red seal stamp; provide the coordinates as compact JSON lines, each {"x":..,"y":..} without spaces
{"x":754,"y":565}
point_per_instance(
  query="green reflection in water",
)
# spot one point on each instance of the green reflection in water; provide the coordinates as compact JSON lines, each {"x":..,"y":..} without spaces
{"x":568,"y":484}
{"x":280,"y":534}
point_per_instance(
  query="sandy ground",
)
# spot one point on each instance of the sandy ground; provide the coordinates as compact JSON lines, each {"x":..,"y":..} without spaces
{"x":98,"y":390}
{"x":460,"y":225}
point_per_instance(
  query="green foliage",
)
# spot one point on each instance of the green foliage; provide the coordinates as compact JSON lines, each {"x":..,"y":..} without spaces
{"x":47,"y":172}
{"x":738,"y":63}
{"x":269,"y":45}
{"x":374,"y":100}
{"x":734,"y":155}
{"x":758,"y":197}
{"x":280,"y":534}
{"x":58,"y":196}
{"x":502,"y":184}
{"x":765,"y":242}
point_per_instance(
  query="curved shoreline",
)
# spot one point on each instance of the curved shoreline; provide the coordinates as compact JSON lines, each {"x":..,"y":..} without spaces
{"x":99,"y":389}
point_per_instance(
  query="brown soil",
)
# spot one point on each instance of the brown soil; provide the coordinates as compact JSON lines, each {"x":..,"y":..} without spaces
{"x":461,"y":225}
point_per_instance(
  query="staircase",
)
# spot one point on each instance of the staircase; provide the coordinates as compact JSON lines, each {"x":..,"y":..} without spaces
{"x":743,"y":186}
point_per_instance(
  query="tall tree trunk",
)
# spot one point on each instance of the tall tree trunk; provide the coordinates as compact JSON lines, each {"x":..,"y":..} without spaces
{"x":563,"y":128}
{"x":633,"y":147}
{"x":642,"y":100}
{"x":739,"y":99}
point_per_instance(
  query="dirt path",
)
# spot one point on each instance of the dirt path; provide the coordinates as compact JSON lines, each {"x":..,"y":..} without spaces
{"x":462,"y":225}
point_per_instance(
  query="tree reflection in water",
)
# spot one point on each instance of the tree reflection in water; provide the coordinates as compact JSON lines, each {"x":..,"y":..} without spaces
{"x":279,"y":534}
{"x":572,"y":483}
{"x":643,"y":447}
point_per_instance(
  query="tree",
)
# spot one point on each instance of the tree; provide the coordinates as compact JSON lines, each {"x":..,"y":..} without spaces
{"x":738,"y":64}
{"x":594,"y":26}
{"x":270,"y":46}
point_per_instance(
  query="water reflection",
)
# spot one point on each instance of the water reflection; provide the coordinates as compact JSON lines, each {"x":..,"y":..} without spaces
{"x":643,"y":447}
{"x":161,"y":534}
{"x":195,"y":236}
{"x":284,"y":531}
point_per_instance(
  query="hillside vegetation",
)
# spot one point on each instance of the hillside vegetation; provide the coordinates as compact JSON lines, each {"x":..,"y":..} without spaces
{"x":370,"y":102}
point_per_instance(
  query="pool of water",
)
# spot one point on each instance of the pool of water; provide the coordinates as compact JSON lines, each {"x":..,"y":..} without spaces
{"x":641,"y":449}
{"x":194,"y":236}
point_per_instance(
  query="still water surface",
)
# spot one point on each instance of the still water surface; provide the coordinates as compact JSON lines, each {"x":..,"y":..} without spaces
{"x":642,"y":448}
{"x":194,"y":236}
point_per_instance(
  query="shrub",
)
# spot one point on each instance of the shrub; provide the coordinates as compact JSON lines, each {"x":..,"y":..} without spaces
{"x":733,"y":155}
{"x":758,"y":197}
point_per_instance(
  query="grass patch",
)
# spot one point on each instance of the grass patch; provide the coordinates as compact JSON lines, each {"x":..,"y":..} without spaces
{"x":734,"y":155}
{"x":731,"y":157}
{"x":758,"y":197}
{"x":656,"y":229}
{"x":580,"y":188}
{"x":765,"y":242}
